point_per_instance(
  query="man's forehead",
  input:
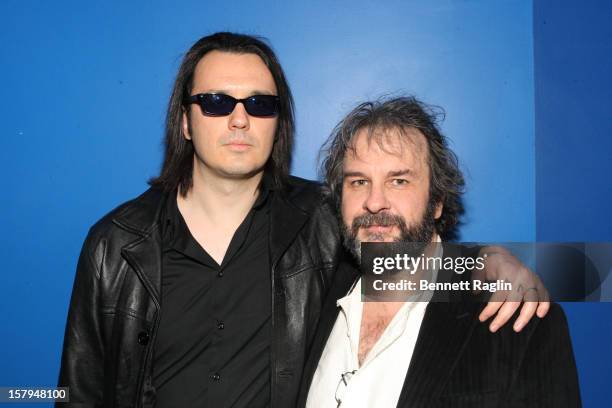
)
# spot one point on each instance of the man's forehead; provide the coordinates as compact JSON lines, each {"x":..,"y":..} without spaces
{"x":221,"y":71}
{"x":407,"y":144}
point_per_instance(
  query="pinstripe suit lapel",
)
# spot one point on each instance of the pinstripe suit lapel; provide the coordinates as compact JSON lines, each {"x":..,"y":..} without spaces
{"x":445,"y":331}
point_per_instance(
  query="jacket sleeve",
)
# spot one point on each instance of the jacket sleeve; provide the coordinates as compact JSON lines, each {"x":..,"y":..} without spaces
{"x":82,"y":363}
{"x":547,"y":376}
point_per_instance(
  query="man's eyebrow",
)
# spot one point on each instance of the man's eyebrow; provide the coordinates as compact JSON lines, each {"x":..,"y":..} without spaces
{"x":227,"y":92}
{"x":215,"y":91}
{"x":396,"y":173}
{"x":353,"y":174}
{"x":403,"y":172}
{"x":263,"y":93}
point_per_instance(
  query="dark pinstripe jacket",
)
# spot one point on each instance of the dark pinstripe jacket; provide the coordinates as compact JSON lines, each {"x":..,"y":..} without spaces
{"x":457,"y":362}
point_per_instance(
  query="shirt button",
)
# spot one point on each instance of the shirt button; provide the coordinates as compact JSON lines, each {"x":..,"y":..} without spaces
{"x":220,"y":274}
{"x":220,"y":325}
{"x":215,"y":377}
{"x":143,"y":338}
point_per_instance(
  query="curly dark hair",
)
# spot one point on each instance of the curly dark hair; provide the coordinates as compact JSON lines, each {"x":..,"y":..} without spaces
{"x":401,"y":114}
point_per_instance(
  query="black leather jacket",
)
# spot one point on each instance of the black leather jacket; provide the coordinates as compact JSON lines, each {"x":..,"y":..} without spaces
{"x":115,"y":306}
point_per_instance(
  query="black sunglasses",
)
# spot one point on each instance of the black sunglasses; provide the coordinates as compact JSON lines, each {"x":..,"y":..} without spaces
{"x":218,"y":104}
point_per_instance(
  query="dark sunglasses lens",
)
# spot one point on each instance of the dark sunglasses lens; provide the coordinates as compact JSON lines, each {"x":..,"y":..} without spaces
{"x":262,"y":105}
{"x":217,"y":104}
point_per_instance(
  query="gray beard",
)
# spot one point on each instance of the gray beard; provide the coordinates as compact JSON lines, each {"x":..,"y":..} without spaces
{"x":417,"y":236}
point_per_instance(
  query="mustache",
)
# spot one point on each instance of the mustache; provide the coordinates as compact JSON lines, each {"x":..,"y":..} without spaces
{"x":381,"y":219}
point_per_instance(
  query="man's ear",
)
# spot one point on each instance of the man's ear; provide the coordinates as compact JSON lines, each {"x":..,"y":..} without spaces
{"x":438,"y":212}
{"x":185,"y":125}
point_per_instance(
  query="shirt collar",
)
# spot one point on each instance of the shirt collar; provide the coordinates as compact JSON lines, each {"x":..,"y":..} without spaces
{"x":353,"y":298}
{"x":265,"y":187}
{"x":172,"y":219}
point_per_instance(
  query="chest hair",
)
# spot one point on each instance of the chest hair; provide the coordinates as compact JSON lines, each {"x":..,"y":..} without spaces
{"x":375,"y":318}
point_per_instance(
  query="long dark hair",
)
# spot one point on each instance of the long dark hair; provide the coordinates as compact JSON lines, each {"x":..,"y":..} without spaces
{"x":401,"y":114}
{"x":177,"y":166}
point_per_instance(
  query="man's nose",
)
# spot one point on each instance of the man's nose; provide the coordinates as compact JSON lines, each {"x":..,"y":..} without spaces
{"x":239,"y":118}
{"x":376,"y":201}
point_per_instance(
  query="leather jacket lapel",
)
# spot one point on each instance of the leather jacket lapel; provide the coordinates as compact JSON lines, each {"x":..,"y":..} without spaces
{"x":144,"y":253}
{"x":144,"y":256}
{"x":286,"y":221}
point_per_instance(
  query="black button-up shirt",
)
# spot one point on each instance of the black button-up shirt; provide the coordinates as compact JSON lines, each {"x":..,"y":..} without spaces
{"x":213,"y":343}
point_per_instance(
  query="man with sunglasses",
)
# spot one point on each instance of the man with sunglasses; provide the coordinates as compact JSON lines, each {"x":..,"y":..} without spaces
{"x":206,"y":289}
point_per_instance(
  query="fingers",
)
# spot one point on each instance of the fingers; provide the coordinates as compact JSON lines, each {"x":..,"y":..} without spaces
{"x":503,"y":315}
{"x":535,"y":301}
{"x":544,"y":299}
{"x":495,"y":302}
{"x":505,"y":304}
{"x":527,"y":288}
{"x":527,"y":311}
{"x":543,"y":309}
{"x":489,"y":310}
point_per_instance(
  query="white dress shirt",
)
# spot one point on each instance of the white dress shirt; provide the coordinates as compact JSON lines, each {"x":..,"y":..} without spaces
{"x":379,"y":380}
{"x":339,"y":381}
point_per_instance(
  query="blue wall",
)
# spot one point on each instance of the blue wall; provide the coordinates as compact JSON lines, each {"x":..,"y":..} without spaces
{"x":85,"y":88}
{"x":573,"y":90}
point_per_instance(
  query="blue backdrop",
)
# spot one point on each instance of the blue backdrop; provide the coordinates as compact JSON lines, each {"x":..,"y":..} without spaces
{"x":85,"y":87}
{"x":573,"y":90}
